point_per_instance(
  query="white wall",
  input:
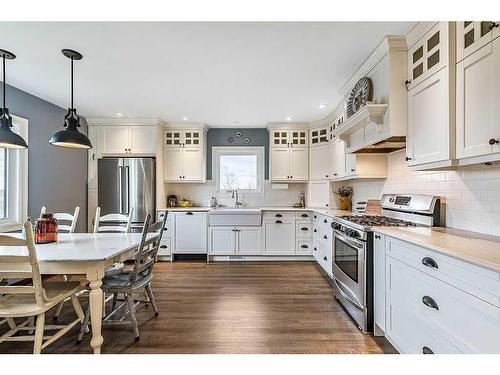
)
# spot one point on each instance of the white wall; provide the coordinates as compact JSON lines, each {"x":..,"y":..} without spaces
{"x":200,"y":194}
{"x":471,"y":194}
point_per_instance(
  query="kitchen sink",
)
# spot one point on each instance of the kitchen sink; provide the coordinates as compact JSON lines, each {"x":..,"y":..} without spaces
{"x":235,"y":216}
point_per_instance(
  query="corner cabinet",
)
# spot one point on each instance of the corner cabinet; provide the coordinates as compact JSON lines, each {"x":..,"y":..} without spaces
{"x":431,"y":99}
{"x":184,"y":155}
{"x":289,"y":155}
{"x":128,"y":140}
{"x":478,"y":105}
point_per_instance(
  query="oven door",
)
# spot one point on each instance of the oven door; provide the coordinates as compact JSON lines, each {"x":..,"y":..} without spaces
{"x":349,"y":260}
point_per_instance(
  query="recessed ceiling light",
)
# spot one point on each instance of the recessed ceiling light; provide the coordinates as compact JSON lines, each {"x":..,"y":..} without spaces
{"x":288,"y":118}
{"x":185,"y":118}
{"x":322,"y":106}
{"x":120,"y":114}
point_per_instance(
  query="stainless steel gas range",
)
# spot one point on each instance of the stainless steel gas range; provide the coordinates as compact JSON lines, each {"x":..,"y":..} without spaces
{"x":353,"y":249}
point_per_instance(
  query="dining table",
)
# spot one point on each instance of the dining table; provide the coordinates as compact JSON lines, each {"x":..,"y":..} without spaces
{"x":86,"y":254}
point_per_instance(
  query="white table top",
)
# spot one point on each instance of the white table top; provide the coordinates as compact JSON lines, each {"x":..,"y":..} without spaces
{"x":77,"y":247}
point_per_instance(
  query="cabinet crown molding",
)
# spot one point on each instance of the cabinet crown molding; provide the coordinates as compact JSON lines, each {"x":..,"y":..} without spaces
{"x":389,"y":44}
{"x":370,"y":113}
{"x":185,"y":125}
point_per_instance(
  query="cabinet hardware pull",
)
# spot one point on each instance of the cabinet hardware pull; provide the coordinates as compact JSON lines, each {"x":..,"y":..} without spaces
{"x":325,"y":237}
{"x":335,"y":174}
{"x":304,"y":246}
{"x":326,"y":205}
{"x":93,"y":156}
{"x":304,"y":215}
{"x":429,"y":262}
{"x":304,"y":228}
{"x":189,"y":213}
{"x":493,"y":25}
{"x":407,"y":158}
{"x":315,"y":231}
{"x":315,"y":217}
{"x":325,"y":258}
{"x":163,"y":246}
{"x":278,"y":222}
{"x":353,"y":170}
{"x":326,"y":175}
{"x":407,"y":83}
{"x":377,"y":237}
{"x":493,"y":141}
{"x":325,"y":221}
{"x":315,"y":249}
{"x":291,"y":176}
{"x":278,"y":215}
{"x":429,"y":302}
{"x":427,"y":350}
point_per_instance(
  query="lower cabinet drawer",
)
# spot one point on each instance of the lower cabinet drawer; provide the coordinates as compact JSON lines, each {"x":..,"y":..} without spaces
{"x":409,"y":333}
{"x":471,"y":324}
{"x":304,"y":247}
{"x":303,"y":215}
{"x":165,"y":246}
{"x":304,"y":230}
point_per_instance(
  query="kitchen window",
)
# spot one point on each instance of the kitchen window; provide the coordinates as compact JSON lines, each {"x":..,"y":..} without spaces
{"x":14,"y":182}
{"x":239,"y":168}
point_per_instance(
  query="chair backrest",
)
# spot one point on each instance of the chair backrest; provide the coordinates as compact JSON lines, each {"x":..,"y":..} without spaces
{"x":22,"y":267}
{"x":112,"y":223}
{"x":66,"y":223}
{"x":147,"y":251}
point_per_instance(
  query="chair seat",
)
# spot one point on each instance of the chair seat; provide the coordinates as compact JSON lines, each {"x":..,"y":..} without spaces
{"x":19,"y":305}
{"x":121,"y":280}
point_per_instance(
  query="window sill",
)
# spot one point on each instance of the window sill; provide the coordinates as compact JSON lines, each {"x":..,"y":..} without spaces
{"x":10,"y":226}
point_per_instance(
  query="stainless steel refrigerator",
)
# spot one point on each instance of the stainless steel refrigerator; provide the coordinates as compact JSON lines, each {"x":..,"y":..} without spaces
{"x":125,"y":183}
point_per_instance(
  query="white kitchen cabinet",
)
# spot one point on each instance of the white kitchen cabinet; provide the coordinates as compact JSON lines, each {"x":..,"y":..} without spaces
{"x":431,"y":129}
{"x":338,"y":158}
{"x":289,"y":156}
{"x":321,"y":162}
{"x":239,"y":240}
{"x":248,"y":240}
{"x":478,"y":109}
{"x":319,"y":136}
{"x":473,"y":35}
{"x":222,"y":241}
{"x":183,"y":164}
{"x":192,"y":138}
{"x":190,"y":232}
{"x":379,"y":283}
{"x":94,"y":133}
{"x":128,"y":140}
{"x":430,"y":53}
{"x":279,"y":237}
{"x":319,"y":194}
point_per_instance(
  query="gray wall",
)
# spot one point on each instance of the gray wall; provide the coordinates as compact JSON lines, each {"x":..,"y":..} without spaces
{"x":57,"y":177}
{"x":219,"y":137}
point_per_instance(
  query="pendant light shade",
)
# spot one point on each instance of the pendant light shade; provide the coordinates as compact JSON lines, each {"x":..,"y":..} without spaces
{"x":8,"y":139}
{"x":70,"y":136}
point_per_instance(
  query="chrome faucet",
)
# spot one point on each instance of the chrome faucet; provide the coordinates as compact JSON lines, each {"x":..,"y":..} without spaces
{"x":237,"y":203}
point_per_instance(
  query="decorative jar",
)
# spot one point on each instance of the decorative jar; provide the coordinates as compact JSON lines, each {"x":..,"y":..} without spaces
{"x":46,"y":229}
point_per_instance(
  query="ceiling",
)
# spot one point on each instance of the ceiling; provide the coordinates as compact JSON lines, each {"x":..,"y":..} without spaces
{"x":219,"y":73}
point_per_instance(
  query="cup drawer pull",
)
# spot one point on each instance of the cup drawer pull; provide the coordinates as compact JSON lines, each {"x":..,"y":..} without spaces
{"x":163,"y":246}
{"x":278,"y":215}
{"x":304,"y":228}
{"x":429,"y":302}
{"x":304,"y":215}
{"x":429,"y":262}
{"x":278,"y":222}
{"x":427,"y":350}
{"x":304,"y":247}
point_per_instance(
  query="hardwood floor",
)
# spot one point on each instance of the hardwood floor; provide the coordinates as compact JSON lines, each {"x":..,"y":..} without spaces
{"x":269,"y":307}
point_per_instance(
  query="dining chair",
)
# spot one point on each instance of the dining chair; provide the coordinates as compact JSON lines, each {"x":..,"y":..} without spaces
{"x":66,"y":223}
{"x":32,"y":301}
{"x":112,"y":223}
{"x":133,"y":282}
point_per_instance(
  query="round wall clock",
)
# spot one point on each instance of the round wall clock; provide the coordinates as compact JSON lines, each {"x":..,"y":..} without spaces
{"x":360,"y":95}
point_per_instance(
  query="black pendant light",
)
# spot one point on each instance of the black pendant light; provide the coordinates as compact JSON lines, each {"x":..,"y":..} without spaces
{"x":8,"y":139}
{"x":70,"y":137}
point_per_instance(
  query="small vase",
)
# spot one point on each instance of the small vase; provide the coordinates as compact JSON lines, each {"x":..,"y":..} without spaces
{"x":345,"y":203}
{"x":46,"y":229}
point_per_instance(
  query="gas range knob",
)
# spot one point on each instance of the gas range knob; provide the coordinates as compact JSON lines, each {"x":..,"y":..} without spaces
{"x":336,"y":226}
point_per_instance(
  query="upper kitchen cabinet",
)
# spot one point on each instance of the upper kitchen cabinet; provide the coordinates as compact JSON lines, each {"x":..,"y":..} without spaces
{"x":375,"y":97}
{"x":473,"y":35}
{"x":128,"y":140}
{"x":478,"y":105}
{"x":431,"y":97}
{"x":184,"y":155}
{"x":289,"y":153}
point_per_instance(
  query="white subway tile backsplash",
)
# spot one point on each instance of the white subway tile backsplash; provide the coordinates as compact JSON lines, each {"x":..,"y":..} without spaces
{"x":471,"y":194}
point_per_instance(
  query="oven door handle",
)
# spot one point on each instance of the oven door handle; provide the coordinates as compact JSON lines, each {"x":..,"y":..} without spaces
{"x":345,"y":295}
{"x":348,"y":240}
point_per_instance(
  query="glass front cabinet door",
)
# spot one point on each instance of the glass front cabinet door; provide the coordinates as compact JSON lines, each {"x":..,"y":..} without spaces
{"x":472,"y":35}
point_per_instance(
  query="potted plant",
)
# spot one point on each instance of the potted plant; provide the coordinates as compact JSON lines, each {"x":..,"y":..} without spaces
{"x":345,"y":193}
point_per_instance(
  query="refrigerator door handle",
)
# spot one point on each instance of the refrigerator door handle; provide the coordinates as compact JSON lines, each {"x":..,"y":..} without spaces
{"x":127,"y":180}
{"x":120,"y":194}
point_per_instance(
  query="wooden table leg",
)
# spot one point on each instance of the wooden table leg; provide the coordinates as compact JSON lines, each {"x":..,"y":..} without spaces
{"x":96,"y":307}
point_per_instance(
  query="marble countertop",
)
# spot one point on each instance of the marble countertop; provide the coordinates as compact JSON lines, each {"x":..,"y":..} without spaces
{"x":475,"y":248}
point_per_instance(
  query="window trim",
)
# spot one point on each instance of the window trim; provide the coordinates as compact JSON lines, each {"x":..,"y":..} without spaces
{"x":217,"y":151}
{"x":17,"y":182}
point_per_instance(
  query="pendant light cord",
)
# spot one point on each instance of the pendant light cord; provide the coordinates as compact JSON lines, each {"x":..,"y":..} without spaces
{"x":72,"y":83}
{"x":3,"y":85}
